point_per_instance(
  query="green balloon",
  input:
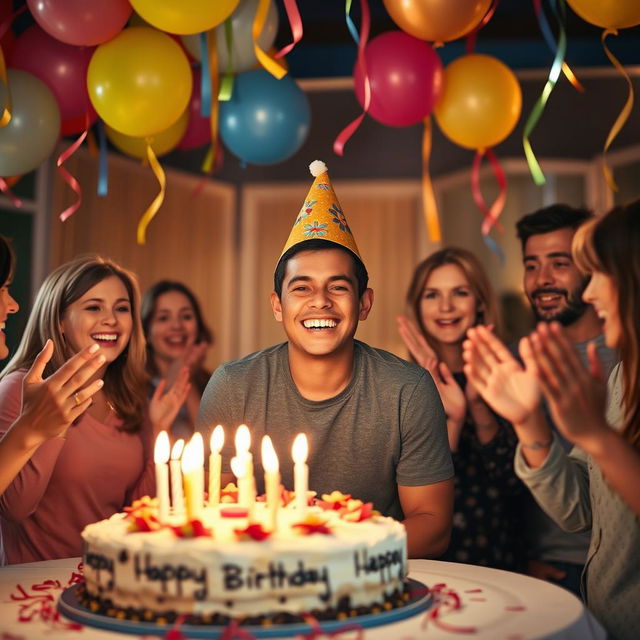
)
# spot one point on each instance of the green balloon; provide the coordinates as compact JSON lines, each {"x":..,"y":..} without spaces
{"x":31,"y":134}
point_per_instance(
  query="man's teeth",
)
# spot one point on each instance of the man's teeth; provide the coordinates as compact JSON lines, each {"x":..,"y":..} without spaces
{"x":109,"y":337}
{"x":549,"y":298}
{"x":320,"y":324}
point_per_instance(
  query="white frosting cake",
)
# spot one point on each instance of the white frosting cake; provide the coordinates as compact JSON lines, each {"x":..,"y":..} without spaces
{"x":329,"y":560}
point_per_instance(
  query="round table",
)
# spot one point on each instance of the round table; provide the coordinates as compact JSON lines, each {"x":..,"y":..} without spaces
{"x":472,"y":602}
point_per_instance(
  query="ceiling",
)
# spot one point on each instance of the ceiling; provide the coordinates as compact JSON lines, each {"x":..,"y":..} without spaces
{"x":513,"y":35}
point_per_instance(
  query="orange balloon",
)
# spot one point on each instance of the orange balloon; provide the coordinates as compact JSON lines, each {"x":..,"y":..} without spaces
{"x":480,"y":103}
{"x":437,"y":20}
{"x":609,"y":14}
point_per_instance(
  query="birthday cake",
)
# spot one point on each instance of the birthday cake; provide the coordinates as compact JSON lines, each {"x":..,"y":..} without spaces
{"x":341,"y":559}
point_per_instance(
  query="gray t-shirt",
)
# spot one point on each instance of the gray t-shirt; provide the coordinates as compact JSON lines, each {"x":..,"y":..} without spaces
{"x":386,"y":428}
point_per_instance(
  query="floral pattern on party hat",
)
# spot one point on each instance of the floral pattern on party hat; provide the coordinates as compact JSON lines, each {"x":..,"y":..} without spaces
{"x":321,"y":215}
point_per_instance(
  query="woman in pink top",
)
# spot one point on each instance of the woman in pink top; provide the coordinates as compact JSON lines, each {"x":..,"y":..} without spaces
{"x":105,"y":458}
{"x":48,"y":406}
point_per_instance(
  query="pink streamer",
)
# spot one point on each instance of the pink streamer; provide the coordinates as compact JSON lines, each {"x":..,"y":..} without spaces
{"x":295,"y":22}
{"x":350,"y":129}
{"x":67,"y":177}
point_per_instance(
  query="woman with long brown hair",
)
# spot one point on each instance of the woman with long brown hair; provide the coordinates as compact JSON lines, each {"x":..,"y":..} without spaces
{"x":450,"y":293}
{"x":48,"y":406}
{"x":596,"y":485}
{"x":177,"y":336}
{"x":105,"y":459}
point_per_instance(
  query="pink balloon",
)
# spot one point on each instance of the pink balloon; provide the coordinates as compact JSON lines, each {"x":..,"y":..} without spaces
{"x":405,"y":76}
{"x":81,"y":22}
{"x":62,"y":67}
{"x":198,"y":131}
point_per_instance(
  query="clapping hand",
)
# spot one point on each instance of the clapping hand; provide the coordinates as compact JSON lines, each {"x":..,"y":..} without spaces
{"x":192,"y":358}
{"x":576,"y":395}
{"x":509,"y":388}
{"x":50,"y":405}
{"x":164,"y":407}
{"x":415,"y":342}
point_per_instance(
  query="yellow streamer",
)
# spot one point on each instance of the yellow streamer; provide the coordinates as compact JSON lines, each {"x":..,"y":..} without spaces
{"x":429,"y":206}
{"x":151,"y":211}
{"x":6,"y":109}
{"x":273,"y":66}
{"x":623,"y":116}
{"x":208,"y":162}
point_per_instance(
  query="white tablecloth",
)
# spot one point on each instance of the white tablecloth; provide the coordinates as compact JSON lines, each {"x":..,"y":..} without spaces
{"x":471,"y":602}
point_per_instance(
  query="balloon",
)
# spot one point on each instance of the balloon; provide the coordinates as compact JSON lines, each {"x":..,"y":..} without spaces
{"x":81,"y":22}
{"x":185,"y":16}
{"x":437,"y":20}
{"x":242,"y":53}
{"x":480,"y":103}
{"x":609,"y":14}
{"x":266,"y":120}
{"x":198,"y":131}
{"x":33,"y":130}
{"x":161,"y":143}
{"x":62,"y":67}
{"x":405,"y":76}
{"x":139,"y":82}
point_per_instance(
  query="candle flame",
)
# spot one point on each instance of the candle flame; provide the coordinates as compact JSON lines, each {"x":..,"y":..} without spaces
{"x":238,"y":467}
{"x":300,"y":448}
{"x":177,"y":450}
{"x":243,"y":439}
{"x":193,"y":454}
{"x":161,"y":449}
{"x":269,"y":457}
{"x":217,"y":439}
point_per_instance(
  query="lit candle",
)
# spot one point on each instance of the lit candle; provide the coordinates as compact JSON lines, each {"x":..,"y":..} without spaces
{"x":271,"y":481}
{"x":246,"y":491}
{"x":299,"y":452}
{"x":177,"y":492}
{"x":215,"y":465}
{"x":193,"y":476}
{"x":243,"y":442}
{"x":161,"y":457}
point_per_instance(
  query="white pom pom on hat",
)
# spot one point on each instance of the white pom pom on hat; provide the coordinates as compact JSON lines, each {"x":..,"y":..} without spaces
{"x":317,"y":167}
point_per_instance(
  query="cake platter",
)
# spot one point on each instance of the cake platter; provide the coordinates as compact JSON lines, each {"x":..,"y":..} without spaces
{"x":71,"y":607}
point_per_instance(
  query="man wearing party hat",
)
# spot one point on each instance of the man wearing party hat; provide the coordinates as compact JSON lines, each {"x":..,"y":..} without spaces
{"x":375,"y":423}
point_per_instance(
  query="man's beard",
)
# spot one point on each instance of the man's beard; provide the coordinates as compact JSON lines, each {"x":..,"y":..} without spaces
{"x":574,"y":310}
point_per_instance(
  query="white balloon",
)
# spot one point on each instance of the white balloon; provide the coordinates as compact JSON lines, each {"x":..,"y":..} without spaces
{"x":243,"y":55}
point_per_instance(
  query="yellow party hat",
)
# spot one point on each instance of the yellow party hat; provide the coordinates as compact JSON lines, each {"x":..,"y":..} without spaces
{"x":321,"y":216}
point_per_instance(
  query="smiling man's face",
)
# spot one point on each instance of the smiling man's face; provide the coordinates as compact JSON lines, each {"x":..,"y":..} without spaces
{"x":552,"y":282}
{"x":319,"y":306}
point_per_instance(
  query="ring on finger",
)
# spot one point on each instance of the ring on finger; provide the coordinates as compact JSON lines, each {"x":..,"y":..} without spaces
{"x":77,"y":399}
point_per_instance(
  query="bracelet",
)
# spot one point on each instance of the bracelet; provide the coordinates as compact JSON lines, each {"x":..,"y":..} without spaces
{"x":536,"y":445}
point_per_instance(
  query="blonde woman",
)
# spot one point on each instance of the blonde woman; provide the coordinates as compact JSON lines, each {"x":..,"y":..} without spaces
{"x":449,"y":294}
{"x":104,"y":459}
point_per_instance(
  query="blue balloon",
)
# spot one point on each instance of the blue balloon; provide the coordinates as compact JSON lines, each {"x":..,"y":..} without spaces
{"x":266,"y":120}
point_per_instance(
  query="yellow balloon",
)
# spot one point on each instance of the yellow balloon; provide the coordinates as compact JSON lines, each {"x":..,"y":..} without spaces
{"x":609,"y":14}
{"x":140,"y":81}
{"x":480,"y":103}
{"x":185,"y":16}
{"x":161,"y":143}
{"x":437,"y":20}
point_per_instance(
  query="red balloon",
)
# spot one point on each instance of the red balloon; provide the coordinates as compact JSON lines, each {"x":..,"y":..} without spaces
{"x":81,"y":22}
{"x":63,"y":68}
{"x":7,"y":42}
{"x":198,"y":131}
{"x":405,"y":76}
